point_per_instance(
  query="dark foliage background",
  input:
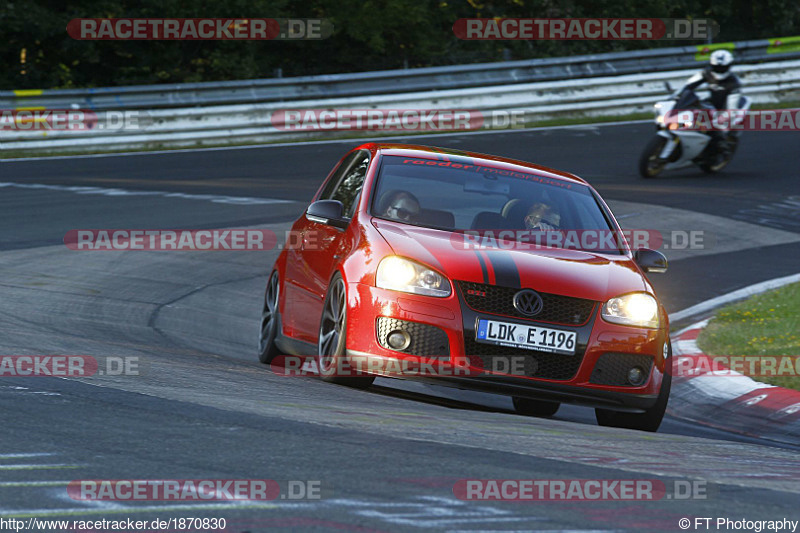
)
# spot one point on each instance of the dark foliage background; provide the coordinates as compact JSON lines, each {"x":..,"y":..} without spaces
{"x":369,"y":35}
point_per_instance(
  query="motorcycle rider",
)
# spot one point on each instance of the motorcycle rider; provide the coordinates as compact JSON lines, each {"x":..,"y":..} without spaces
{"x":724,"y":86}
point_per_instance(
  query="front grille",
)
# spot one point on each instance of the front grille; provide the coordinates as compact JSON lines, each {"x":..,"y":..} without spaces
{"x":612,"y":368}
{"x":426,"y":340}
{"x":517,"y":361}
{"x":500,"y":301}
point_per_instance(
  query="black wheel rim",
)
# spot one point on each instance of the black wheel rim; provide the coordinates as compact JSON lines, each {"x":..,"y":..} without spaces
{"x":332,"y":327}
{"x":269,"y":316}
{"x":727,"y":154}
{"x":654,"y":164}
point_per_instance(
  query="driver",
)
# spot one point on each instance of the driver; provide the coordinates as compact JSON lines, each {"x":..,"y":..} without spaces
{"x":539,"y":217}
{"x":402,"y":205}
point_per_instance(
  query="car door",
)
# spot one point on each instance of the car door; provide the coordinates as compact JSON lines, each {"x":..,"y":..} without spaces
{"x":323,"y":247}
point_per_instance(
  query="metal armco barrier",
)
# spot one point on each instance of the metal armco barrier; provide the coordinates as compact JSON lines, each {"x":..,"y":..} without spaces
{"x":241,"y":111}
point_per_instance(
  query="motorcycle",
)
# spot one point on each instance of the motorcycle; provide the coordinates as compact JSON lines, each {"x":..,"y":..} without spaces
{"x":676,"y":145}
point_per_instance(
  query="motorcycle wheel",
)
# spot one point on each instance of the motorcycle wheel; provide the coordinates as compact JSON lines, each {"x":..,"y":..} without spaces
{"x":650,"y":165}
{"x":727,"y":154}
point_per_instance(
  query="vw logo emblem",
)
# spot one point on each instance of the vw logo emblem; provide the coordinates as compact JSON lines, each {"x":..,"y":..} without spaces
{"x":528,"y":302}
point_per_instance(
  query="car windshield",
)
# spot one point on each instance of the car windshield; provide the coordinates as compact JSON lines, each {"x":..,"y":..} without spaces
{"x":460,"y":195}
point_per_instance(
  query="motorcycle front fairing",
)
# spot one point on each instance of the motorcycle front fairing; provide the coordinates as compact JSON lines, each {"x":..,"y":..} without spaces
{"x":688,"y":144}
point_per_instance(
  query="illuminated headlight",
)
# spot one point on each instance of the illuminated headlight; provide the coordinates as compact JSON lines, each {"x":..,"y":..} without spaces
{"x":400,"y":274}
{"x":675,"y":121}
{"x":637,"y":309}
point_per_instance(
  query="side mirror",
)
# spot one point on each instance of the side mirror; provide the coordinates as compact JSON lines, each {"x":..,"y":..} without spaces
{"x":650,"y":260}
{"x":328,"y":212}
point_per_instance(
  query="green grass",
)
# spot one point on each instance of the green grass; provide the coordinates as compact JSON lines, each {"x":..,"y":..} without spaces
{"x":782,"y":105}
{"x":764,"y":325}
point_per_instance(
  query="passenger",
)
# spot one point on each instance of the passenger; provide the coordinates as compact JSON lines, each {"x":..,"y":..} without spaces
{"x":538,"y":217}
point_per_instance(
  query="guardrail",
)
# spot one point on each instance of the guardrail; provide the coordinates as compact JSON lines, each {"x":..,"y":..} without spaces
{"x":397,"y":81}
{"x":178,"y":120}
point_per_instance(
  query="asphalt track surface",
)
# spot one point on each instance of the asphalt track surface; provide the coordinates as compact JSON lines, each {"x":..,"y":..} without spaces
{"x":386,"y":458}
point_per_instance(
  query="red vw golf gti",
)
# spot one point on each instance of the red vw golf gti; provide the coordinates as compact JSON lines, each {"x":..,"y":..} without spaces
{"x":473,"y":271}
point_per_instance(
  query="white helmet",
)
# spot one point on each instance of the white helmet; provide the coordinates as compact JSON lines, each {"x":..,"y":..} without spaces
{"x":720,"y":63}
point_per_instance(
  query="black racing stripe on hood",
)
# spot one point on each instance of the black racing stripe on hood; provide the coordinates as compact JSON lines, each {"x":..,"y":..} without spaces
{"x":484,"y":270}
{"x":506,"y":273}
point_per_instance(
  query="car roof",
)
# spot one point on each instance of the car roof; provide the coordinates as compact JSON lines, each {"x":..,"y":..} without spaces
{"x":431,"y":152}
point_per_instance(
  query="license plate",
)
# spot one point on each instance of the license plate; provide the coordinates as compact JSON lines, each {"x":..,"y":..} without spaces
{"x":527,"y":337}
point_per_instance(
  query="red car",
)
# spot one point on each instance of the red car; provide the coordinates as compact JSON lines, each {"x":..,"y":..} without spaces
{"x":489,"y":273}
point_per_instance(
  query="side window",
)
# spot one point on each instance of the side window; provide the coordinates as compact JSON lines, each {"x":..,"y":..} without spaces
{"x":349,"y":187}
{"x":327,"y":192}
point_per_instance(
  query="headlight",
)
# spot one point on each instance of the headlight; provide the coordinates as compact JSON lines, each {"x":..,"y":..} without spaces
{"x":637,"y":309}
{"x":675,"y":121}
{"x":400,"y":274}
{"x":678,"y":125}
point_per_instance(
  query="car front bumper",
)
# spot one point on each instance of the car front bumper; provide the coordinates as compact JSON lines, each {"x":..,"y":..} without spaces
{"x":574,"y":380}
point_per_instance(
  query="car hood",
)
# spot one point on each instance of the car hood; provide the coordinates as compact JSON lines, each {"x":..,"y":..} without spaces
{"x":572,"y":273}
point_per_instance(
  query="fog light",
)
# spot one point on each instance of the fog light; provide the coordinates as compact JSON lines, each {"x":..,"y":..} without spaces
{"x":398,"y":339}
{"x":636,"y":376}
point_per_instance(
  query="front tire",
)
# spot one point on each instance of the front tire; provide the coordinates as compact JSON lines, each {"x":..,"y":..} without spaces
{"x":332,"y":343}
{"x":650,"y":165}
{"x":540,"y":408}
{"x":731,"y":143}
{"x":650,"y":420}
{"x":270,"y":318}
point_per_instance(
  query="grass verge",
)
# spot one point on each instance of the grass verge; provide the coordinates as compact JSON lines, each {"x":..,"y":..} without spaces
{"x":767,"y":324}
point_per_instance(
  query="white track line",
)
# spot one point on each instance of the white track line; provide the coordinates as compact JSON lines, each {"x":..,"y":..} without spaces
{"x":38,"y":467}
{"x":214,"y":198}
{"x":24,"y":513}
{"x":20,"y":455}
{"x":34,"y":483}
